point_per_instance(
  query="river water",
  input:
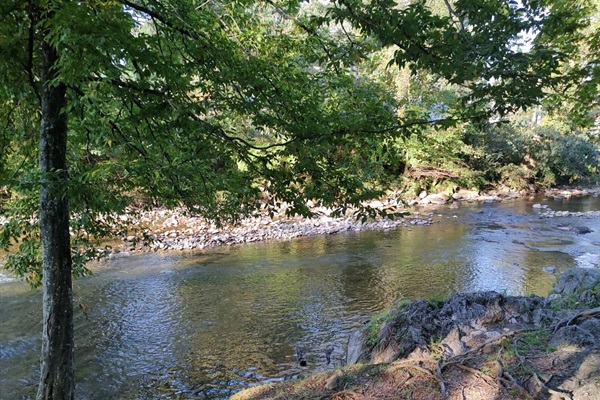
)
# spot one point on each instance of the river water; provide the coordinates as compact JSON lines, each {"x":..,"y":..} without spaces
{"x":205,"y":325}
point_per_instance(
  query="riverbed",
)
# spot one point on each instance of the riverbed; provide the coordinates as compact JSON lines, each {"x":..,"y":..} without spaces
{"x":206,"y":324}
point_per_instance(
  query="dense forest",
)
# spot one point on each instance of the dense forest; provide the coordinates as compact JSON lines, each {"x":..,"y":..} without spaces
{"x":222,"y":106}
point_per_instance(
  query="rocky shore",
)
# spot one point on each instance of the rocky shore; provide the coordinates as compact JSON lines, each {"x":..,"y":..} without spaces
{"x":471,"y":346}
{"x":175,"y":230}
{"x":547,"y":212}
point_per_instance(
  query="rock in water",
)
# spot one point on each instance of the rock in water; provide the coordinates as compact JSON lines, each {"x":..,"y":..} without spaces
{"x":582,"y":230}
{"x":328,"y":355}
{"x":355,"y":347}
{"x":300,"y":356}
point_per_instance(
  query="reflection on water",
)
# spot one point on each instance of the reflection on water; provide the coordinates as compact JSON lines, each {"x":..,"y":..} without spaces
{"x":205,"y":325}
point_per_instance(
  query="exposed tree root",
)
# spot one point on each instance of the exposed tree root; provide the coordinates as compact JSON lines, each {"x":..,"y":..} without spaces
{"x":438,"y":370}
{"x":589,"y":313}
{"x":562,"y":395}
{"x":513,"y":382}
{"x":521,"y":358}
{"x":478,"y":373}
{"x":436,"y":373}
{"x":461,"y":357}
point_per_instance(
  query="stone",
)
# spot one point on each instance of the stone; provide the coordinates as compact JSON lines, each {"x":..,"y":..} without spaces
{"x":582,"y":230}
{"x":571,"y":335}
{"x":553,"y":296}
{"x":355,"y":347}
{"x":577,"y":280}
{"x":333,"y":382}
{"x":489,"y":199}
{"x":537,"y":205}
{"x":589,"y":391}
{"x":476,"y":308}
{"x":436,"y":199}
{"x":423,"y":194}
{"x":587,"y":377}
{"x":592,"y":326}
{"x":452,"y":343}
{"x":388,"y":354}
{"x":376,"y":204}
{"x":489,"y":348}
{"x":551,"y":270}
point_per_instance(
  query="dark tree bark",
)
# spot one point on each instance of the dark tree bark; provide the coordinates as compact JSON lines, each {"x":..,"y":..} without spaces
{"x":57,"y":362}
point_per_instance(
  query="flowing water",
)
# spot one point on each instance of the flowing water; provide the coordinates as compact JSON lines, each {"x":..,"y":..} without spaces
{"x":203,"y":326}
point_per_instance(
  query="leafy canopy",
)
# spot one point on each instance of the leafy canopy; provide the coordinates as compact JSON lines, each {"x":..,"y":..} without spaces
{"x":213,"y":103}
{"x":505,"y":54}
{"x":208,"y":104}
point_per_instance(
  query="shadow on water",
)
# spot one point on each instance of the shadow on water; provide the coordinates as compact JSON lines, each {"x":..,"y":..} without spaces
{"x":206,"y":325}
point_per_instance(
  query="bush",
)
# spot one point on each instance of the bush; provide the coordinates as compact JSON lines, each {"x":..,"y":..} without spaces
{"x":516,"y":177}
{"x":517,"y":156}
{"x":564,"y":159}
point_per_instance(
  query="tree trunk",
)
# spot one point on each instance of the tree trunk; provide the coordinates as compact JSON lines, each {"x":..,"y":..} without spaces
{"x":56,"y":381}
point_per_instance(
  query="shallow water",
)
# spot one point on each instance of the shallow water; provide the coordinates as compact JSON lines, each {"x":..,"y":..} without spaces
{"x":205,"y":325}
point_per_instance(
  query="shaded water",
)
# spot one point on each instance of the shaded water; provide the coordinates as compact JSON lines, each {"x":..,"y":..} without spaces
{"x":206,"y":325}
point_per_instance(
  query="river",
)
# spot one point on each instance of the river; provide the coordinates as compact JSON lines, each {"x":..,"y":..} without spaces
{"x":204,"y":325}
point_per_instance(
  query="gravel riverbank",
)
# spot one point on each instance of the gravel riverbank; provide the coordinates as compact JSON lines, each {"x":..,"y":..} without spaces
{"x":176,"y":230}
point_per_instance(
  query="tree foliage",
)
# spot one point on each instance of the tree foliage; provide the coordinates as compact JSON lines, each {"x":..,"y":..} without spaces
{"x":506,"y":54}
{"x":212,"y":103}
{"x":207,"y":104}
{"x":476,"y":64}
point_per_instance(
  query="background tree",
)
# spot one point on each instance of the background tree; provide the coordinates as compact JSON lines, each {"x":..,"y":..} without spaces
{"x":474,"y":65}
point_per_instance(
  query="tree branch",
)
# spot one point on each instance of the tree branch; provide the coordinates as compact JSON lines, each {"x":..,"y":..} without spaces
{"x":153,"y":14}
{"x":30,"y":49}
{"x":126,"y":85}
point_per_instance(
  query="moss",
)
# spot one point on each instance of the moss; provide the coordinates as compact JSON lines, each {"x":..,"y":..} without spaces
{"x":534,"y":340}
{"x":437,"y":302}
{"x":435,"y":347}
{"x":566,"y":301}
{"x":375,"y":325}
